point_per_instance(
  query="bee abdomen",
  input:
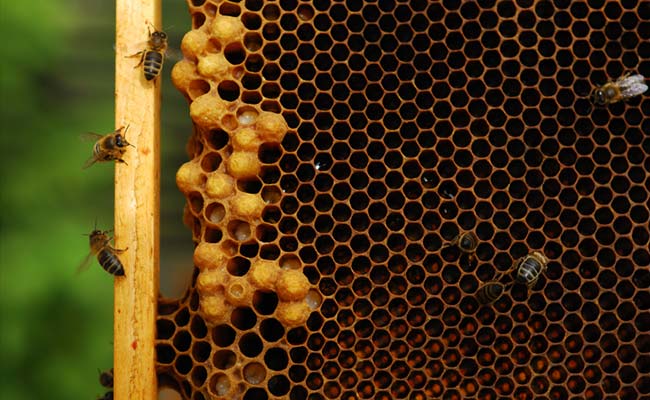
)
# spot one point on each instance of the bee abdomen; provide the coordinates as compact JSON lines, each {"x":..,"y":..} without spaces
{"x":489,"y":293}
{"x":152,"y":64}
{"x":110,"y":263}
{"x":97,"y":150}
{"x":528,"y":271}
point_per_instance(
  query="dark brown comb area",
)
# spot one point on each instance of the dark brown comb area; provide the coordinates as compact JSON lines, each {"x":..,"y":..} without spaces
{"x":409,"y":122}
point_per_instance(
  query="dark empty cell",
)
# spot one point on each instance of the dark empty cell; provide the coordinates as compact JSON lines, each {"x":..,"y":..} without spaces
{"x":265,"y":302}
{"x":182,"y":318}
{"x":182,"y":341}
{"x":223,"y":335}
{"x":255,"y":394}
{"x":228,"y":90}
{"x":254,"y":63}
{"x":224,"y":359}
{"x":238,"y":266}
{"x":276,"y":359}
{"x":298,"y":393}
{"x":641,"y":257}
{"x":606,"y":257}
{"x":235,"y":53}
{"x":164,"y":328}
{"x":183,"y":364}
{"x":243,"y":318}
{"x":165,"y":354}
{"x":625,"y":289}
{"x":201,"y":351}
{"x":279,"y":385}
{"x":250,"y":345}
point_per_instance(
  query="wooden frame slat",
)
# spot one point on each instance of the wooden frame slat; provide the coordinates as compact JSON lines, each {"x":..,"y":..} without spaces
{"x":137,"y":206}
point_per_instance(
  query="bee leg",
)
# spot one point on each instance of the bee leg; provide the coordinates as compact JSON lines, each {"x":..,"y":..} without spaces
{"x":508,"y":273}
{"x":119,"y":251}
{"x":138,"y":54}
{"x":121,"y":161}
{"x":453,"y":242}
{"x":627,"y":74}
{"x":470,"y":258}
{"x":512,"y":267}
{"x":498,"y":277}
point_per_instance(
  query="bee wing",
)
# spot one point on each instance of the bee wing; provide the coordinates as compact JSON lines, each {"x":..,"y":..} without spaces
{"x":89,"y":162}
{"x":85,"y":263}
{"x":173,"y":54}
{"x":634,"y":90}
{"x":628,"y":80}
{"x":90,"y":136}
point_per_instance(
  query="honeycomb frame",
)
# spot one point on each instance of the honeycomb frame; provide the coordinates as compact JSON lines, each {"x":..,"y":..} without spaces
{"x":339,"y":146}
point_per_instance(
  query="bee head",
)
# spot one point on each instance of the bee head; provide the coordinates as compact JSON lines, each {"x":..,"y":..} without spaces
{"x":120,"y":137}
{"x":120,"y":141}
{"x":468,"y":241}
{"x":598,"y":97}
{"x":106,"y":378}
{"x":158,"y":39}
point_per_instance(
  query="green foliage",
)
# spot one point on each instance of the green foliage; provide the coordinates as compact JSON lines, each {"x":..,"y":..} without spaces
{"x":56,"y":325}
{"x":56,"y":82}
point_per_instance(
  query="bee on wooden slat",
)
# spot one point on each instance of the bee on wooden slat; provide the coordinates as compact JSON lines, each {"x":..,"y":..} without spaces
{"x":107,"y":396}
{"x":106,"y":254}
{"x":110,"y":147}
{"x":153,"y":56}
{"x":106,"y":378}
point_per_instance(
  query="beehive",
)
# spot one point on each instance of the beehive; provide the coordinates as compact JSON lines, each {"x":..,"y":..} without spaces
{"x":339,"y":145}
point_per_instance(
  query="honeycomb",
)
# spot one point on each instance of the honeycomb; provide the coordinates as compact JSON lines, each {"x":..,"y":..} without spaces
{"x":339,"y":146}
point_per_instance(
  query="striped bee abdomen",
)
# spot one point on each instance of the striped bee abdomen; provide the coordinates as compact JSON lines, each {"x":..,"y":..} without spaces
{"x":530,"y":268}
{"x":153,"y":62}
{"x":110,"y":262}
{"x":490,"y":292}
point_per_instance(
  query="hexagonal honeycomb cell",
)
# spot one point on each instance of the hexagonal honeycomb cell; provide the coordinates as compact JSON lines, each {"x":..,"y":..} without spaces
{"x":340,"y":146}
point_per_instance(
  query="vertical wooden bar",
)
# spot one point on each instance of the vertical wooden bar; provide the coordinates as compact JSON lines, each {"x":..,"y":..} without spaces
{"x":137,"y":206}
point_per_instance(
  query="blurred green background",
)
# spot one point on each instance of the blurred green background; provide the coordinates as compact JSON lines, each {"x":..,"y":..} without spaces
{"x":57,"y":81}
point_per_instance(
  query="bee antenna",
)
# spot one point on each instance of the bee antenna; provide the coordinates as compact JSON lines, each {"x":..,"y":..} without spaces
{"x":152,"y":26}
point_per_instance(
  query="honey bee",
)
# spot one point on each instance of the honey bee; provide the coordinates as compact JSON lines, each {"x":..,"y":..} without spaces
{"x":622,"y":89}
{"x":490,"y":292}
{"x":107,"y":396}
{"x":530,"y":268}
{"x":467,"y":242}
{"x":106,"y":379}
{"x":106,"y":254}
{"x":153,"y":56}
{"x":110,"y":147}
